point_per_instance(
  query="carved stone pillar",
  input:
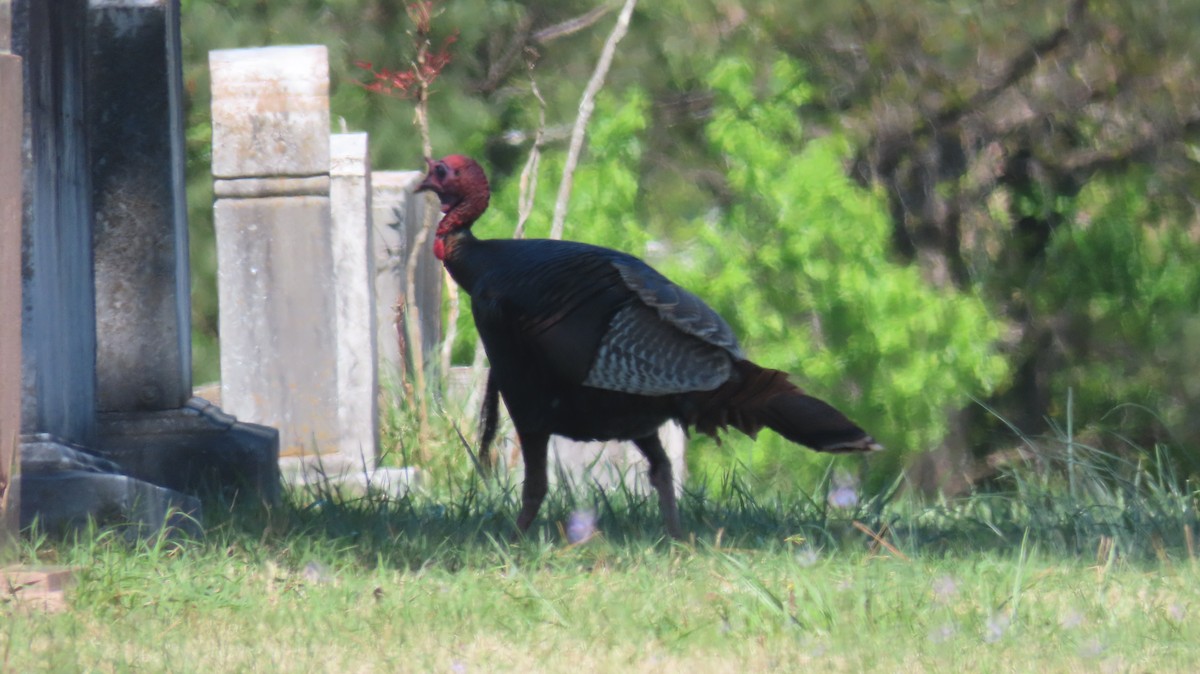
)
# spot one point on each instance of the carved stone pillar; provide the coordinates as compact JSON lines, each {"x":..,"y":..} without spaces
{"x":354,"y":284}
{"x":274,"y":243}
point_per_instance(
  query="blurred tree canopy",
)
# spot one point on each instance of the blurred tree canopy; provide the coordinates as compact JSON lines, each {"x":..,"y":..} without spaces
{"x":916,"y":207}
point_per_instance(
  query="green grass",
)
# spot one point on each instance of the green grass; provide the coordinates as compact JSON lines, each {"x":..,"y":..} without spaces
{"x":609,"y":608}
{"x":1074,"y":560}
{"x":431,"y":582}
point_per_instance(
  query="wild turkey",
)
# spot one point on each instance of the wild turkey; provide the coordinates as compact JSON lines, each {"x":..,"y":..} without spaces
{"x":593,"y":344}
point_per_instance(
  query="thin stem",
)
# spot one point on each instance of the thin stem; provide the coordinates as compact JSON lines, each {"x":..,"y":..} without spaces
{"x":586,"y":105}
{"x":412,"y":308}
{"x":1071,"y":444}
{"x":529,"y":174}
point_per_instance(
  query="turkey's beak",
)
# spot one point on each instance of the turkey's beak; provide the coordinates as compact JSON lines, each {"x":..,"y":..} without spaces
{"x":429,"y":183}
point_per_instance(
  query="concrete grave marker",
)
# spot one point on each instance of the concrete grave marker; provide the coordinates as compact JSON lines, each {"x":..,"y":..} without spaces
{"x":274,"y":248}
{"x":398,"y":215}
{"x":354,"y":274}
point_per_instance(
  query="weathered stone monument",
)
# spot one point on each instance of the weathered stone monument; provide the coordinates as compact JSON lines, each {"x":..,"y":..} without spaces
{"x":58,"y":304}
{"x":148,"y":423}
{"x":270,"y":165}
{"x":354,"y":297}
{"x":108,"y":427}
{"x":296,"y":267}
{"x":139,"y":241}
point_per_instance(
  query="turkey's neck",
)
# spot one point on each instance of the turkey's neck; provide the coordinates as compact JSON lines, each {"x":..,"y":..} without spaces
{"x":447,"y":246}
{"x":453,"y":240}
{"x":455,"y":225}
{"x":453,"y":249}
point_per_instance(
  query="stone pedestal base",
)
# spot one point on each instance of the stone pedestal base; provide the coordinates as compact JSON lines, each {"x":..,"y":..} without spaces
{"x":147,"y":470}
{"x":62,"y":487}
{"x":347,"y":477}
{"x":196,"y":449}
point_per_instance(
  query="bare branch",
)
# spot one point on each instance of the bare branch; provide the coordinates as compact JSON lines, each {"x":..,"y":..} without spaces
{"x":1018,"y":67}
{"x":529,"y":174}
{"x":477,"y":377}
{"x":524,"y":36}
{"x":586,"y":105}
{"x":571,"y":26}
{"x":412,"y":310}
{"x":451,"y":322}
{"x":499,"y":68}
{"x":1097,"y":160}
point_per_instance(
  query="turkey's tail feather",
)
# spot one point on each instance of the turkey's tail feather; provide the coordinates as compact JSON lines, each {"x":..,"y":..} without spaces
{"x":812,"y":422}
{"x":491,"y":418}
{"x":758,"y":397}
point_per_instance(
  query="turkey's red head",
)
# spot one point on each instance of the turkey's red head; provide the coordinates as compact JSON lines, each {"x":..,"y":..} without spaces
{"x":462,"y":187}
{"x":460,"y":183}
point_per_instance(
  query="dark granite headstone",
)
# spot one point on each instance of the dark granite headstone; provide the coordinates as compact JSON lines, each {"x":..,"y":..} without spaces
{"x":143,"y":349}
{"x":58,"y":311}
{"x":113,"y":438}
{"x":147,"y":421}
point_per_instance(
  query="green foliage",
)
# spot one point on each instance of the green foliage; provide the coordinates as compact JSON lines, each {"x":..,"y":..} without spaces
{"x":1121,"y":283}
{"x":603,"y":207}
{"x":799,"y":263}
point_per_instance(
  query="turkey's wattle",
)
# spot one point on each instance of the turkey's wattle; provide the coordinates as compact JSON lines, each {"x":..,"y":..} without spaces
{"x":593,"y":344}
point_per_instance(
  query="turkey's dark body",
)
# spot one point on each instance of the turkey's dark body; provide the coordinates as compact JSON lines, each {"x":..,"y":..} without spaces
{"x":527,"y":295}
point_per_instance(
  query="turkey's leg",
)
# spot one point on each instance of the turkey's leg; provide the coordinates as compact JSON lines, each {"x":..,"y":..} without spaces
{"x":663,"y":482}
{"x":533,"y":492}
